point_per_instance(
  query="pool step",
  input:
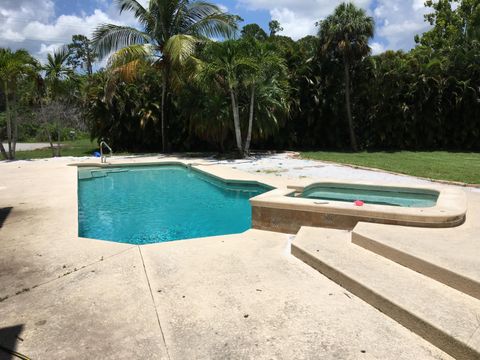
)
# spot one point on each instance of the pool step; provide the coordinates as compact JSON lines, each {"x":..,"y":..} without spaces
{"x":90,"y":174}
{"x":443,"y":316}
{"x":421,"y":255}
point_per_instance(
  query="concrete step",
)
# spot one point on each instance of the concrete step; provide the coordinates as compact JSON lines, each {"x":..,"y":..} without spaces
{"x":443,"y":316}
{"x":449,"y":258}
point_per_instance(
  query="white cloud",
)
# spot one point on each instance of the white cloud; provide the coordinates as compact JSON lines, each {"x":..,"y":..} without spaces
{"x":399,"y":21}
{"x":222,"y":7}
{"x":377,"y":48}
{"x":31,"y":24}
{"x":294,"y":25}
{"x":46,"y":49}
{"x":418,"y":4}
{"x":65,"y":26}
{"x":10,"y":35}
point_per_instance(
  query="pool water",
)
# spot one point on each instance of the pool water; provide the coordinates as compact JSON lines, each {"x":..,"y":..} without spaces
{"x":150,"y":204}
{"x":379,"y":195}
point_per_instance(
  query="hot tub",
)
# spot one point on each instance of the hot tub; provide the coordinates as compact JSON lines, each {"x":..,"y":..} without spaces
{"x":335,"y":205}
{"x":371,"y":194}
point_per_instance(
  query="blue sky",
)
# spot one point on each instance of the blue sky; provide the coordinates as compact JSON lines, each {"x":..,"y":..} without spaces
{"x":75,"y":7}
{"x":40,"y":26}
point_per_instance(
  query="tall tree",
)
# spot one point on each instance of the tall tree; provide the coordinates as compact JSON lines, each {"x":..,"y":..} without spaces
{"x":274,"y":27}
{"x":250,"y":74}
{"x":345,"y":34}
{"x":81,"y":54}
{"x":264,"y":82}
{"x":169,"y":32}
{"x":56,"y":111}
{"x":56,"y":71}
{"x":253,"y":31}
{"x":225,"y":67}
{"x":14,"y":67}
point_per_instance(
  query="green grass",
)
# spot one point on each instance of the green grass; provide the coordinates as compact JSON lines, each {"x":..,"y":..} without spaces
{"x":439,"y":165}
{"x":81,"y":147}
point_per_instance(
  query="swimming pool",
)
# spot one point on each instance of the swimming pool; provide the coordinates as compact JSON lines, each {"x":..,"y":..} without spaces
{"x":150,"y":204}
{"x":379,"y":195}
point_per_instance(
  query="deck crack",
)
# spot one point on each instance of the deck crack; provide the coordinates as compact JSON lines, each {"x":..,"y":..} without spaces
{"x":153,"y":301}
{"x":61,"y":276}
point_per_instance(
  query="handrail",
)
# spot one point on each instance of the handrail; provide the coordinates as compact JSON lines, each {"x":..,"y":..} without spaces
{"x":103,"y":158}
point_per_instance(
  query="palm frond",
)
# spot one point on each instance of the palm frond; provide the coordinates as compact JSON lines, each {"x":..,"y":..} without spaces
{"x":143,"y":53}
{"x":14,"y":64}
{"x":215,"y":26}
{"x":56,"y":67}
{"x":206,"y":19}
{"x":108,"y":38}
{"x":128,"y":71}
{"x":140,"y":13}
{"x":179,"y":48}
{"x":346,"y":31}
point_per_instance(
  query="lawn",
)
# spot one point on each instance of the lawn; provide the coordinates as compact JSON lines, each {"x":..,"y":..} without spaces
{"x":81,"y":147}
{"x":440,"y":165}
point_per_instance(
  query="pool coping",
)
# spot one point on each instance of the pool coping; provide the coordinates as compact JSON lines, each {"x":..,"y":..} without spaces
{"x":204,"y":168}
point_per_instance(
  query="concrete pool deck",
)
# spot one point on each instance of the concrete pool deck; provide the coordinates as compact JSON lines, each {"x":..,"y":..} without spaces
{"x":236,"y":296}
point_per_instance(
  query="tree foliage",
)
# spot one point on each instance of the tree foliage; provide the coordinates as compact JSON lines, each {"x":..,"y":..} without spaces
{"x":257,"y":91}
{"x":169,"y":32}
{"x":81,"y":54}
{"x":254,"y":31}
{"x":344,"y":35}
{"x":274,"y":27}
{"x":15,"y":69}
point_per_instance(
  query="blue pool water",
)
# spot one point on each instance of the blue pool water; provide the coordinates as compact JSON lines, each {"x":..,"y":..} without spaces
{"x":150,"y":204}
{"x":380,"y":195}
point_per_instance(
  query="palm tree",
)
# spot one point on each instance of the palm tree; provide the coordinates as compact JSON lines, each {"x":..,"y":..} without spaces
{"x":60,"y":82}
{"x":226,"y":66}
{"x":14,"y":66}
{"x":346,"y":33}
{"x":57,"y":71}
{"x":248,"y":73}
{"x":169,"y":32}
{"x":263,"y":79}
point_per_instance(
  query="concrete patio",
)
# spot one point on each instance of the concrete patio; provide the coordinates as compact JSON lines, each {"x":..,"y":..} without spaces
{"x":229,"y":297}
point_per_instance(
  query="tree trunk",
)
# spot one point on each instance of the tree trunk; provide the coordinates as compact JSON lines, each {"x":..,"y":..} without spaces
{"x":162,"y":113}
{"x":9,"y":121}
{"x":250,"y":121}
{"x":15,"y":127}
{"x":89,"y":61}
{"x":2,"y":151}
{"x":50,"y":141}
{"x":353,"y":140}
{"x":236,"y":121}
{"x":58,"y":139}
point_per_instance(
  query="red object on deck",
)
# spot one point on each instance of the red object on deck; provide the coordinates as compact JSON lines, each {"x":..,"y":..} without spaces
{"x":358,"y":203}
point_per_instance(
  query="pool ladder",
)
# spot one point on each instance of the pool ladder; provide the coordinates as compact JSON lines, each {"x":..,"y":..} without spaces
{"x":103,"y":158}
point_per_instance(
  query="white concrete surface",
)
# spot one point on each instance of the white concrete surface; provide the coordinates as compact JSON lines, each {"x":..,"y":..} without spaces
{"x":233,"y":297}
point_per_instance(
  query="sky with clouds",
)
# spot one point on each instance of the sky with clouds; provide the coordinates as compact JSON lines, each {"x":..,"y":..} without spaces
{"x":40,"y":26}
